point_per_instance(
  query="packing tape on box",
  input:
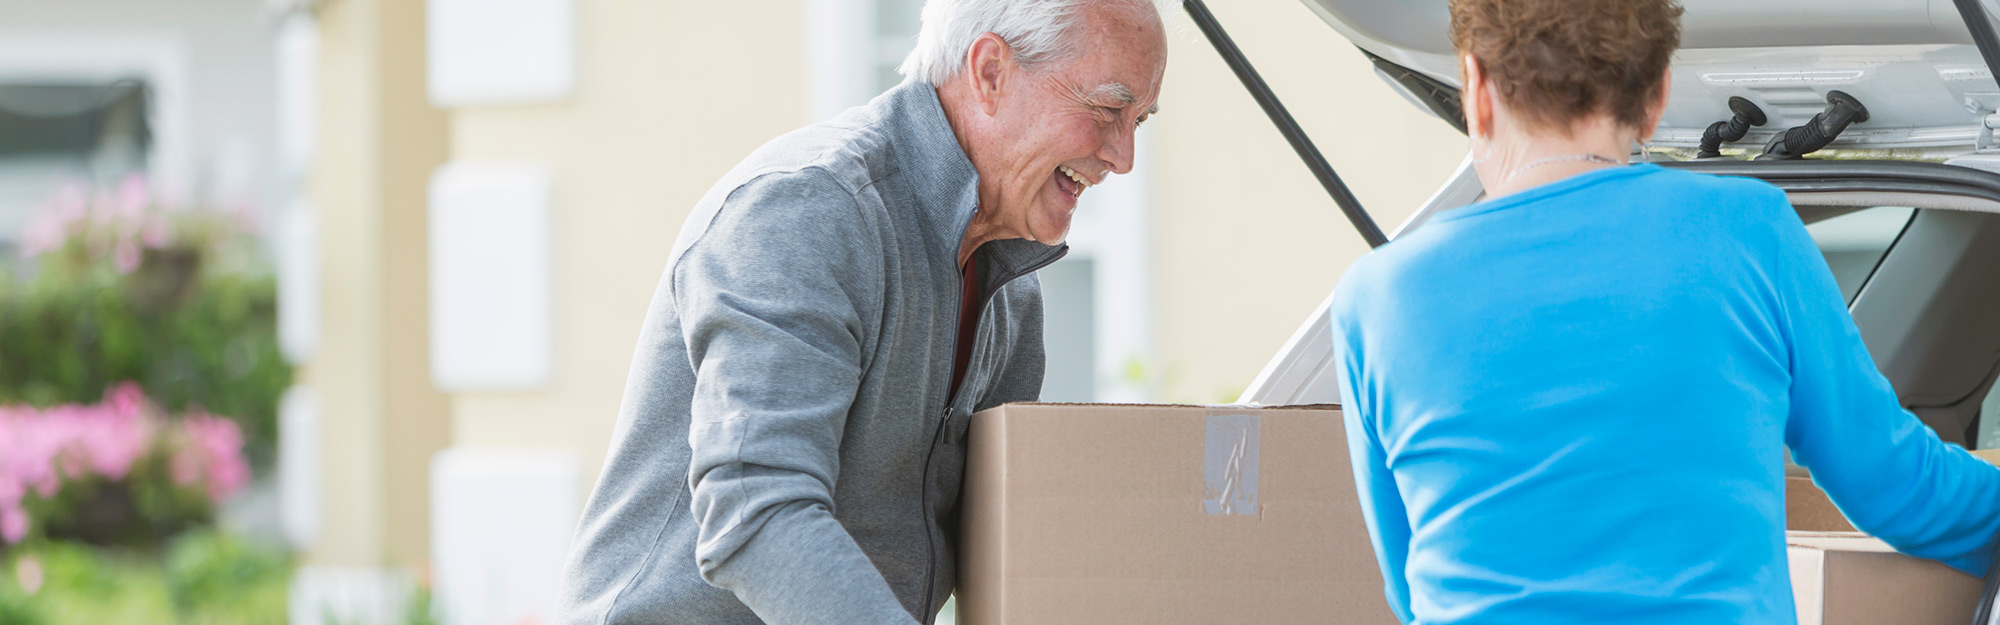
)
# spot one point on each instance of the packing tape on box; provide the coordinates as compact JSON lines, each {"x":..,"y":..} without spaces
{"x":1229,"y":464}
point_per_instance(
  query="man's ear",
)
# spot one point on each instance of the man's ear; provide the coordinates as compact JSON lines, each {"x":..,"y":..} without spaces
{"x":1476,"y":99}
{"x":990,"y":67}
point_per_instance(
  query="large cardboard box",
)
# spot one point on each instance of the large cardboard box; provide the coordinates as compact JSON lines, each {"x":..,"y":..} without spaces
{"x":1989,"y":455}
{"x":1110,"y":514}
{"x":1847,"y":578}
{"x":1840,"y":576}
{"x":1808,"y":509}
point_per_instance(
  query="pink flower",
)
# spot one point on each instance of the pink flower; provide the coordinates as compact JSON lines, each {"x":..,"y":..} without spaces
{"x":13,"y":524}
{"x":133,"y":197}
{"x":103,"y":208}
{"x":127,"y":256}
{"x":243,"y":215}
{"x":29,"y":571}
{"x":114,"y":438}
{"x":71,"y":203}
{"x":156,"y":232}
{"x":43,"y":235}
{"x":41,"y":448}
{"x":126,"y":398}
{"x":214,"y":453}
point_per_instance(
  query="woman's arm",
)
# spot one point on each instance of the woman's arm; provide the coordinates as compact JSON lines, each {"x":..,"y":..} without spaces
{"x":1381,"y":503}
{"x":1886,"y":471}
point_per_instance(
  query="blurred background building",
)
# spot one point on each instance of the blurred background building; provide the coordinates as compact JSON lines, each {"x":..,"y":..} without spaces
{"x":467,"y":205}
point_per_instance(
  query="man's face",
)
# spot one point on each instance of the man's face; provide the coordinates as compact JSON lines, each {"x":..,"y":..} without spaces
{"x":1070,"y":125}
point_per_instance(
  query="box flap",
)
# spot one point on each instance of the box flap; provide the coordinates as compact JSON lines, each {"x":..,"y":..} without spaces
{"x":1838,"y":541}
{"x":1849,"y":578}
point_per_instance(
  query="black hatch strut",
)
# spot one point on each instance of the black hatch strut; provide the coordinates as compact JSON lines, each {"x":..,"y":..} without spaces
{"x":1286,"y":125}
{"x":1982,"y":28}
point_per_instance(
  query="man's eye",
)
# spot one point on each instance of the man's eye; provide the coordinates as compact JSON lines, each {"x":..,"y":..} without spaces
{"x":1141,"y":121}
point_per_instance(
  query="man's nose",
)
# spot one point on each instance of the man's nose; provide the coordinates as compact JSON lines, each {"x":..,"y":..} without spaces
{"x":1116,"y":152}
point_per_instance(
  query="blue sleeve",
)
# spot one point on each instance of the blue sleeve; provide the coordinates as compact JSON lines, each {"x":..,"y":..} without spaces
{"x":1887,"y":472}
{"x":1381,"y":503}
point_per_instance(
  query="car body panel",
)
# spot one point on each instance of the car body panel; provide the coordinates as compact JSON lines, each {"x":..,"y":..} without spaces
{"x":1912,"y":63}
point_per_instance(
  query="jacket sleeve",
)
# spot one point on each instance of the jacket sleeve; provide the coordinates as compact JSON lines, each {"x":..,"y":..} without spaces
{"x":1886,"y":471}
{"x":775,"y":299}
{"x":1381,"y":502}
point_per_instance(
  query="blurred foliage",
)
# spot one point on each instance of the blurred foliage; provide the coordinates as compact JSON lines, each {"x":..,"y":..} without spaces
{"x":15,"y":609}
{"x":143,"y":509}
{"x":119,"y":288}
{"x":211,"y":573}
{"x":204,"y":578}
{"x":421,"y":611}
{"x":65,"y":341}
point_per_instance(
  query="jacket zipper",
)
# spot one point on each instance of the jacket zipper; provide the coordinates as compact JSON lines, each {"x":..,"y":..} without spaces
{"x":944,"y":422}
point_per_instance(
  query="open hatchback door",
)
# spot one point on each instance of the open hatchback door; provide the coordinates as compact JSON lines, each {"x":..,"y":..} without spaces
{"x":1908,"y":216}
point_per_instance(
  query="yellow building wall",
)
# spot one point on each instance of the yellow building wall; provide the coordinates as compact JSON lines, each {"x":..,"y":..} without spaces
{"x":1246,"y":243}
{"x":669,"y":96}
{"x":381,"y":418}
{"x":351,"y":526}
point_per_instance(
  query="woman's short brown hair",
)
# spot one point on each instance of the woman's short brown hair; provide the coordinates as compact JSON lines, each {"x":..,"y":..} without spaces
{"x":1557,"y":61}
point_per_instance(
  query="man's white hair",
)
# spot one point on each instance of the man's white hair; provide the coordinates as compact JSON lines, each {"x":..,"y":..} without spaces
{"x":1037,"y":30}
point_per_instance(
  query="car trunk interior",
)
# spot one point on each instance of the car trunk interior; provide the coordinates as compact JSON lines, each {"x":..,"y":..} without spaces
{"x":1928,"y":310}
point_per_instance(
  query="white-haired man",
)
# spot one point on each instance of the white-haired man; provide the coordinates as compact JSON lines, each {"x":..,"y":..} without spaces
{"x":791,"y":443}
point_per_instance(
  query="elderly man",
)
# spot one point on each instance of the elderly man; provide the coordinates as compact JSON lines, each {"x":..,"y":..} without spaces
{"x":791,"y":442}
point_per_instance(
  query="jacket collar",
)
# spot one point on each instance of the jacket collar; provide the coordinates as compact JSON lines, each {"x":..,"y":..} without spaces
{"x":927,"y":153}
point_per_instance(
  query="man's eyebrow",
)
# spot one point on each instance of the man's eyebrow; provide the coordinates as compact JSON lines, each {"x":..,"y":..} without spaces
{"x":1122,"y":94}
{"x":1116,"y":91}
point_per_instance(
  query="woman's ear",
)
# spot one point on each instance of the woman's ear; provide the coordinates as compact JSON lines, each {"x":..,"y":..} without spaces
{"x":1476,"y":99}
{"x":1658,"y":107}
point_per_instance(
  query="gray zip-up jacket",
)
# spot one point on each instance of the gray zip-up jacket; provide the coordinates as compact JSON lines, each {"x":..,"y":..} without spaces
{"x":785,"y":451}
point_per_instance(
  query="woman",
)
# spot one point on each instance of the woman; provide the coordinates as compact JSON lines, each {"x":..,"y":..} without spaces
{"x":1569,"y":403}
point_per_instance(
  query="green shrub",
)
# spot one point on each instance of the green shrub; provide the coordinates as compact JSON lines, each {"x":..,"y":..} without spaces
{"x":15,"y":608}
{"x":191,"y":316}
{"x":118,"y":472}
{"x":81,"y":584}
{"x":215,"y":577}
{"x":203,"y":578}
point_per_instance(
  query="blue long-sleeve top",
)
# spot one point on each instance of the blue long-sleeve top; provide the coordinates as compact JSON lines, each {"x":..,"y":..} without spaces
{"x":1571,"y":404}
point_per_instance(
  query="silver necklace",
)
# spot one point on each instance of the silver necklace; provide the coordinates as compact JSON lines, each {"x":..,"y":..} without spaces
{"x":1586,"y":157}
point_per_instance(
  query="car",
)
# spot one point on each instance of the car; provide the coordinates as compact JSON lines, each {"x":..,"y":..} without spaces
{"x":1876,"y":118}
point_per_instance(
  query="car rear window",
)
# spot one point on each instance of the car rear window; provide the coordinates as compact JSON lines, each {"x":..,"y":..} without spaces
{"x":1853,"y":241}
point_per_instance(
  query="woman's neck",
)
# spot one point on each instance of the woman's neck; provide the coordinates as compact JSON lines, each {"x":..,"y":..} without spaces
{"x":1523,"y":160}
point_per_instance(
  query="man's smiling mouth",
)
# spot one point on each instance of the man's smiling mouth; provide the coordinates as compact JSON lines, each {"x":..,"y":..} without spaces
{"x":1075,"y":183}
